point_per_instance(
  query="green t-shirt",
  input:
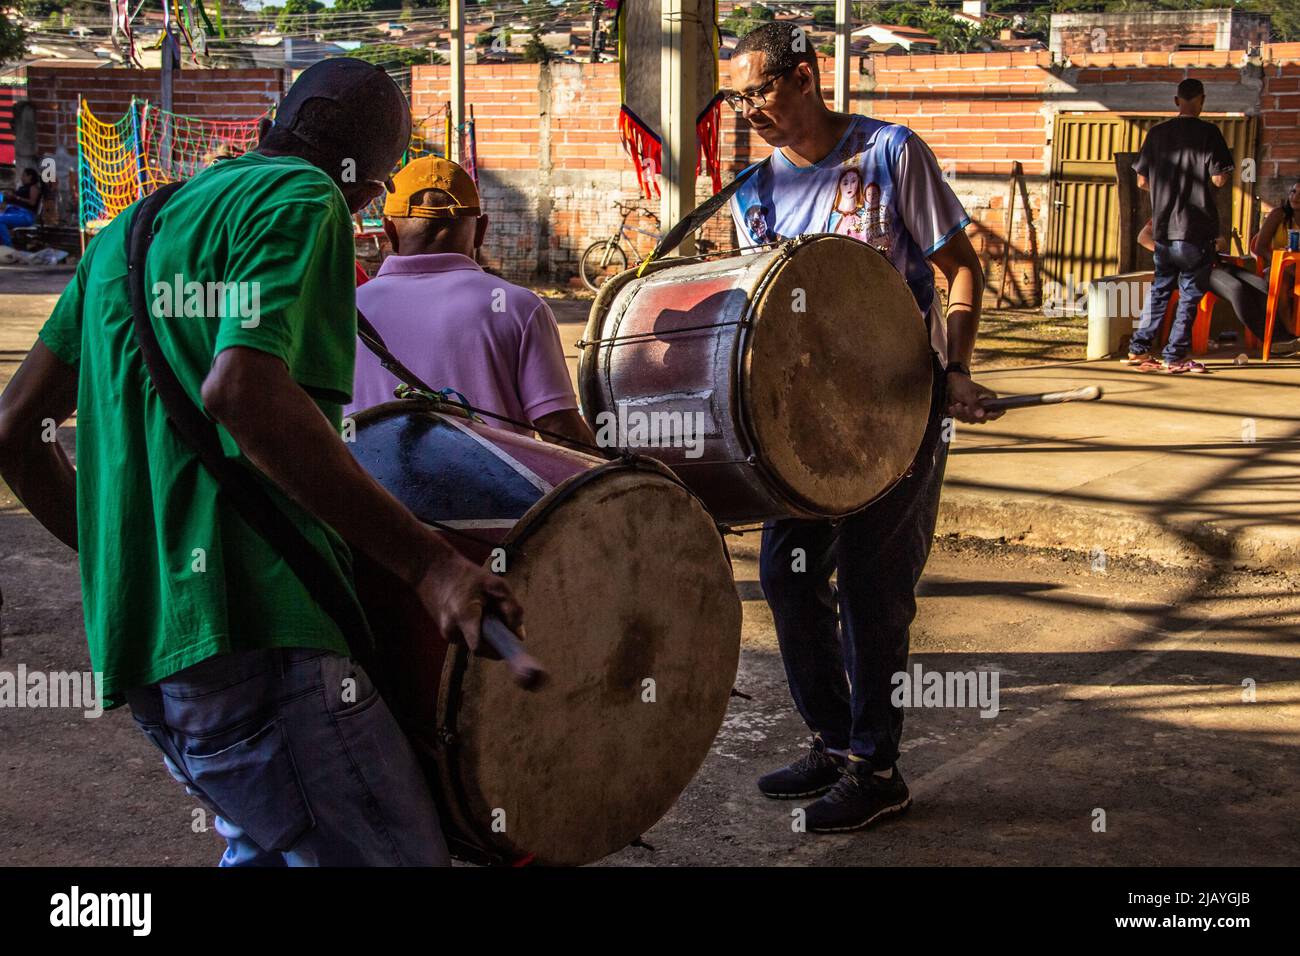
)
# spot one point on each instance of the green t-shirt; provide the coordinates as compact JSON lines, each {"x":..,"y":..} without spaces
{"x":170,"y":573}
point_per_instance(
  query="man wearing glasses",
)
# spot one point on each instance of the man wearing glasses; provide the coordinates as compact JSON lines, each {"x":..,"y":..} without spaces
{"x":841,"y":647}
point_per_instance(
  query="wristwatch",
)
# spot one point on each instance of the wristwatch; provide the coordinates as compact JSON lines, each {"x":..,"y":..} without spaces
{"x":959,"y":368}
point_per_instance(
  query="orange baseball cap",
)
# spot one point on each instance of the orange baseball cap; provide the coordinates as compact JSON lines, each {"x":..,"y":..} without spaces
{"x":432,"y":172}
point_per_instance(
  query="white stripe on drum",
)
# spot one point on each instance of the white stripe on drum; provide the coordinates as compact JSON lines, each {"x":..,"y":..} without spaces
{"x":481,"y":523}
{"x":538,"y":482}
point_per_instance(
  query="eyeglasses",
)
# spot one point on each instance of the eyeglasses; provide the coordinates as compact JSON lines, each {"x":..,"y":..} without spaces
{"x":757,"y":99}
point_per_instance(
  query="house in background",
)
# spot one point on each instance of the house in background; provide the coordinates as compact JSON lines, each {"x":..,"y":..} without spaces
{"x":911,"y":39}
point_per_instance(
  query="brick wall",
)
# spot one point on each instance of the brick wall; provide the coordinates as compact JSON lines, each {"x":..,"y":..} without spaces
{"x":210,"y":94}
{"x":551,"y":164}
{"x":1167,"y":30}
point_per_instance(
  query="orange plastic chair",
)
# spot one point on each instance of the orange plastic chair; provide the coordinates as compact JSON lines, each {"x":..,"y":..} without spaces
{"x":1281,"y":258}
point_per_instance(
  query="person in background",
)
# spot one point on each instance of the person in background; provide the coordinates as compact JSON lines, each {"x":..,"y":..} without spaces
{"x":453,"y":324}
{"x":1183,"y":162}
{"x":20,"y":205}
{"x":1242,"y":289}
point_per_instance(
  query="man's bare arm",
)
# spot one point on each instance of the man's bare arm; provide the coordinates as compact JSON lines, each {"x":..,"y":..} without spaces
{"x":960,"y":265}
{"x":569,"y":423}
{"x":280,"y":429}
{"x":41,"y":396}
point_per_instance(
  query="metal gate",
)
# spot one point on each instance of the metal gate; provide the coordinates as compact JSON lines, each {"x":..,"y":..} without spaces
{"x":1083,"y":220}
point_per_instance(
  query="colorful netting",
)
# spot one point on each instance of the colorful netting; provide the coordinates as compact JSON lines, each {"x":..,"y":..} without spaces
{"x":108,"y":167}
{"x":119,"y":162}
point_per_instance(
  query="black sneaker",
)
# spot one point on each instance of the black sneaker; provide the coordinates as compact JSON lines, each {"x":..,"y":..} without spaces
{"x":812,"y":774}
{"x":858,"y":799}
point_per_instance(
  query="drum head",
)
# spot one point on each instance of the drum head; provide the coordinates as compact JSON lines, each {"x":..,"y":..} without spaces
{"x":837,"y":395}
{"x":629,"y":602}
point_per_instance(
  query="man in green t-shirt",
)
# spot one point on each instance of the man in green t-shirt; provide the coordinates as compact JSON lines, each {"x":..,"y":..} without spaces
{"x":240,"y":678}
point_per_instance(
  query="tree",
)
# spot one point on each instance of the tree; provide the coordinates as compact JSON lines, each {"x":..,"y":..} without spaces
{"x":535,"y":51}
{"x":294,"y":13}
{"x":13,"y":39}
{"x":742,"y":20}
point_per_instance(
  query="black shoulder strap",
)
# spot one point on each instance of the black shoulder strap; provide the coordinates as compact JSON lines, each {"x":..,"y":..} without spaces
{"x":237,"y":482}
{"x":700,"y":215}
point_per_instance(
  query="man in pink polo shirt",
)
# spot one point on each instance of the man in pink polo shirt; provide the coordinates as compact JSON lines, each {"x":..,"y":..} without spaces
{"x":453,"y":324}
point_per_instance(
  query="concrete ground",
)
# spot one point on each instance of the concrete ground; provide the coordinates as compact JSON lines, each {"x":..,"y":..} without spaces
{"x":1124,"y":682}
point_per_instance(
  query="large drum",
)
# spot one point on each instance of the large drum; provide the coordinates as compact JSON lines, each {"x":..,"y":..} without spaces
{"x":629,"y":602}
{"x":794,"y":382}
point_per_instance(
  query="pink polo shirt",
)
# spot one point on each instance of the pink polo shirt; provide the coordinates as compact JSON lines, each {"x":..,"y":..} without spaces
{"x":456,"y":326}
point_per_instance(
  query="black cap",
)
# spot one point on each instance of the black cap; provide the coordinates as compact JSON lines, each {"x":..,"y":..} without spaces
{"x":365,"y":96}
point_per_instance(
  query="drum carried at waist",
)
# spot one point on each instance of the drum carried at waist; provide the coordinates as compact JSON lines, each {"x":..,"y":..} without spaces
{"x":793,"y":382}
{"x":628,"y":600}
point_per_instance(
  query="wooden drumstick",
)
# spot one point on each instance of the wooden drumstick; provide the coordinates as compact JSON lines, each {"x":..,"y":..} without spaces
{"x":1089,"y":393}
{"x":526,"y":669}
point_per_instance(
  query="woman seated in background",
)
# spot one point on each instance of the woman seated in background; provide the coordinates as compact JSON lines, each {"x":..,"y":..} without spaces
{"x":19,"y":208}
{"x":1245,"y":291}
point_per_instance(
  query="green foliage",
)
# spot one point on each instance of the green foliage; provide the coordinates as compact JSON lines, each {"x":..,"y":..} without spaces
{"x":535,"y":51}
{"x":293,"y":15}
{"x":13,"y":38}
{"x":742,"y":20}
{"x":393,"y":57}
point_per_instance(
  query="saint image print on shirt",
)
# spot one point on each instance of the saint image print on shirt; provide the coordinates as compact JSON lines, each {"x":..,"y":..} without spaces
{"x":858,"y":212}
{"x":756,"y":222}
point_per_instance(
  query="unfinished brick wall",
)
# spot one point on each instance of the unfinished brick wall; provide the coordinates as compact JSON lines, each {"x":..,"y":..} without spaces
{"x":1166,"y":30}
{"x":551,"y":165}
{"x":1279,"y":146}
{"x":210,"y":94}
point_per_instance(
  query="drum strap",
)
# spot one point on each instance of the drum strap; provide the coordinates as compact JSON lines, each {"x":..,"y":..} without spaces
{"x":238,"y":483}
{"x":699,"y":216}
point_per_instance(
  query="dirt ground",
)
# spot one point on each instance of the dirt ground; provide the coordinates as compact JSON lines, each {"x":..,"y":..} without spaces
{"x":1121,"y":690}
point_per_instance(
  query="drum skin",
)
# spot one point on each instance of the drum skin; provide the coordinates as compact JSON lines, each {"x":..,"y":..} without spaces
{"x":809,"y":364}
{"x":629,"y":602}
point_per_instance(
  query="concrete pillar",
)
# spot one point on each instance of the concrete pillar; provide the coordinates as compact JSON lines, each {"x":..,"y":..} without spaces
{"x":681,"y":81}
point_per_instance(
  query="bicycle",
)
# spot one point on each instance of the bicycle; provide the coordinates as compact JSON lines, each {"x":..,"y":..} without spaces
{"x":608,"y":257}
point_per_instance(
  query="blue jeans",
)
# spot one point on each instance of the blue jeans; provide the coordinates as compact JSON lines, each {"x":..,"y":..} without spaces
{"x":13,"y":216}
{"x":1185,"y":265}
{"x":840,"y":665}
{"x":298,"y":758}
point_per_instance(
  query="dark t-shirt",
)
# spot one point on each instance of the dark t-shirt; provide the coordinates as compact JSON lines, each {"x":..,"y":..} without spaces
{"x":1178,"y":158}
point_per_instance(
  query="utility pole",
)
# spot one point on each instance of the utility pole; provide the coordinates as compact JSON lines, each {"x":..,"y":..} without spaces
{"x":457,"y":75}
{"x":679,"y":76}
{"x":843,"y":35}
{"x":595,"y":31}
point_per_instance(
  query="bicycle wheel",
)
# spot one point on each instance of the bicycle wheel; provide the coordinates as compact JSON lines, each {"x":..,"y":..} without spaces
{"x":599,"y":261}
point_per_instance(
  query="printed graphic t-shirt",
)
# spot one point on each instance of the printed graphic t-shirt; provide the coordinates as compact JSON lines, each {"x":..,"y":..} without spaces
{"x":880,"y":185}
{"x":170,"y":573}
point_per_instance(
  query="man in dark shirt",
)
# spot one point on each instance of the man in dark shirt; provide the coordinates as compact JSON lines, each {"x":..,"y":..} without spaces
{"x":1183,"y":162}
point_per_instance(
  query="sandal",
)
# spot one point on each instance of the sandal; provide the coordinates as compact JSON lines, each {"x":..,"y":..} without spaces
{"x":1185,"y":366}
{"x":1149,"y":363}
{"x":1135,"y":358}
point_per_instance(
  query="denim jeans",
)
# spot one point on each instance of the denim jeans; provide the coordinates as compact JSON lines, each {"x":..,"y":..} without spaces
{"x":14,"y":216}
{"x":298,"y":758}
{"x":1185,"y":265}
{"x":842,"y":644}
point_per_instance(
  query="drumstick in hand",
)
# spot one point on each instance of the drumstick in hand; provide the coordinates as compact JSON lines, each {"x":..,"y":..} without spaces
{"x":1089,"y":393}
{"x":526,"y":669}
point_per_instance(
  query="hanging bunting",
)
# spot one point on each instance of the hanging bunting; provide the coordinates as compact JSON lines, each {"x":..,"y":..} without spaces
{"x":640,"y":119}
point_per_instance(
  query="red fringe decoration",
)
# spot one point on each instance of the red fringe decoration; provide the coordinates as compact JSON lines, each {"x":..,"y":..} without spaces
{"x":642,"y":144}
{"x":708,"y":129}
